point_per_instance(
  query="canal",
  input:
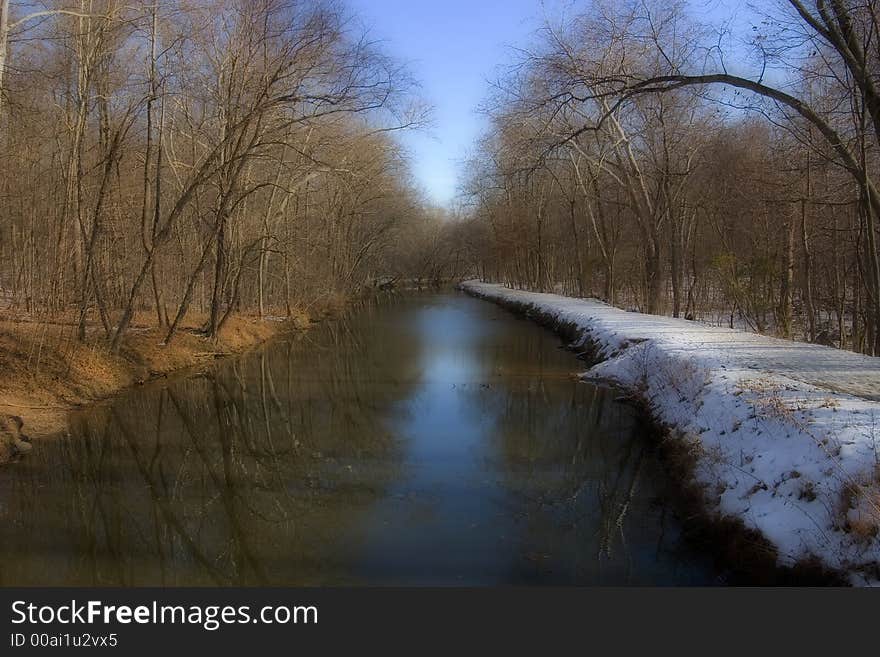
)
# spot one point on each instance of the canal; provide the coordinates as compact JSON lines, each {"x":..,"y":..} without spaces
{"x":423,"y":439}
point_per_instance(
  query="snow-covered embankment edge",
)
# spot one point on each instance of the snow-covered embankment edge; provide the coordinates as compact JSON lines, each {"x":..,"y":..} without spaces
{"x":797,"y":463}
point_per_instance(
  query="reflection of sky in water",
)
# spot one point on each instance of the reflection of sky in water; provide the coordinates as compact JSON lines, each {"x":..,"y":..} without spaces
{"x":444,"y":521}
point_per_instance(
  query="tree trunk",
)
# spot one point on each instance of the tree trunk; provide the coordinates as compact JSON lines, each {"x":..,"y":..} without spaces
{"x":676,"y":267}
{"x":784,"y":311}
{"x":654,"y":278}
{"x":579,"y":261}
{"x":4,"y":35}
{"x":219,"y":271}
{"x":809,"y":308}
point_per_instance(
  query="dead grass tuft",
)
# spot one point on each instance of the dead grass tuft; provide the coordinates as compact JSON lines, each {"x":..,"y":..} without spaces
{"x":860,"y":508}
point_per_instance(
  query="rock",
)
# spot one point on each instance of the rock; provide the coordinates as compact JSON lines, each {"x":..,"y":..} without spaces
{"x":825,"y":338}
{"x":11,"y":424}
{"x":22,"y":446}
{"x":12,"y":437}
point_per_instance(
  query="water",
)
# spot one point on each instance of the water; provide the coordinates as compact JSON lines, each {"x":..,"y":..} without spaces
{"x":424,"y":439}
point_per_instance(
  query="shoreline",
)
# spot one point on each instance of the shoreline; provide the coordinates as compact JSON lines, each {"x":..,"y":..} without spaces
{"x":644,"y":365}
{"x":73,"y":375}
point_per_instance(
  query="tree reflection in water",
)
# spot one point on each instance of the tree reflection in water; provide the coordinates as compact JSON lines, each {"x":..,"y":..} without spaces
{"x":588,"y":491}
{"x":241,"y":475}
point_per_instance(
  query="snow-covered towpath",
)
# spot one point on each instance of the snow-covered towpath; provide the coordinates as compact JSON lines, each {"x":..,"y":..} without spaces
{"x":787,"y":434}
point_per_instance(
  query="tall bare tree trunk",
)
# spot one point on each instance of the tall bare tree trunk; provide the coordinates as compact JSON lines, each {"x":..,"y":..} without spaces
{"x":219,"y":272}
{"x":809,"y":306}
{"x":579,"y":259}
{"x":676,"y":267}
{"x":654,"y":278}
{"x":784,"y":312}
{"x":161,"y":318}
{"x":4,"y":38}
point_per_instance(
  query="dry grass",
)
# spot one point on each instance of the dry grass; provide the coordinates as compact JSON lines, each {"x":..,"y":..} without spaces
{"x":860,"y":506}
{"x":45,"y":372}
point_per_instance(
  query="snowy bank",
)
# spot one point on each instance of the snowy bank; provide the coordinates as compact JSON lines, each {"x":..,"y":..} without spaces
{"x":785,"y":434}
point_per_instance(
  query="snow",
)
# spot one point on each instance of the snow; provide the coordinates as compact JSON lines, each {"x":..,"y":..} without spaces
{"x":787,"y":434}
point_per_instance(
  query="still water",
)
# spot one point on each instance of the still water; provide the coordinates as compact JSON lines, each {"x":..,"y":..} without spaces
{"x":423,"y":439}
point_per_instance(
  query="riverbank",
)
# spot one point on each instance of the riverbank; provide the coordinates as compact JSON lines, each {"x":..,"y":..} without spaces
{"x":778,"y":437}
{"x":46,"y":372}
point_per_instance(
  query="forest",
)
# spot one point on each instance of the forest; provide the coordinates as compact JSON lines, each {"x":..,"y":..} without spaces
{"x":717,"y":172}
{"x":179,"y":163}
{"x":198,"y":159}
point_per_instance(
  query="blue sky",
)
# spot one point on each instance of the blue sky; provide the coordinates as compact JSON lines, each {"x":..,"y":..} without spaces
{"x":454,"y":48}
